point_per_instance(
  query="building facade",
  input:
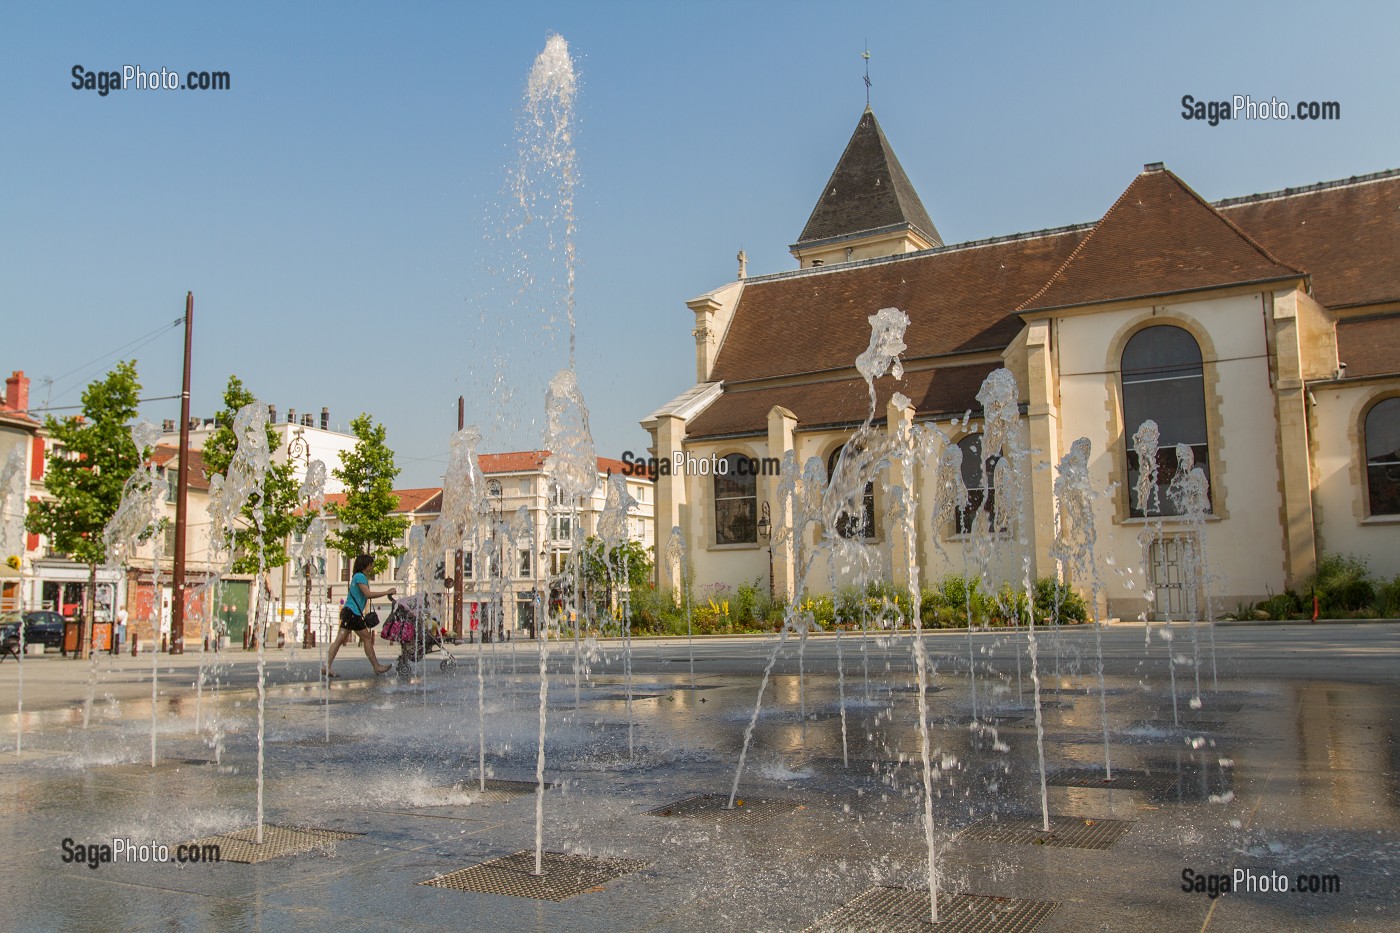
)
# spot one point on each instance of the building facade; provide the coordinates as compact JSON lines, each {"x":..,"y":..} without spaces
{"x":1261,"y":333}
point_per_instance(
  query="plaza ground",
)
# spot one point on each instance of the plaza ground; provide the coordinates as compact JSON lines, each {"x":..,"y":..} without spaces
{"x":1286,"y":763}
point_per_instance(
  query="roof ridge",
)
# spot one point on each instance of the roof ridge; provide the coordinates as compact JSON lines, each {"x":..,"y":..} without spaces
{"x":1370,"y":178}
{"x":917,"y":254}
{"x":1084,"y":243}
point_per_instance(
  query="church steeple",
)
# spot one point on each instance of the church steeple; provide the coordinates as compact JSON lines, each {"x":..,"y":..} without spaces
{"x":868,"y":208}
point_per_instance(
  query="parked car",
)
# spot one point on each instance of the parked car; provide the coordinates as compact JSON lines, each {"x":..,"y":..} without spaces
{"x":42,"y":626}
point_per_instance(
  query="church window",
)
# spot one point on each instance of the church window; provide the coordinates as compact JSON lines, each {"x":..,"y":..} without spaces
{"x":1163,"y":381}
{"x":849,"y":525}
{"x":977,"y":477}
{"x":1382,"y":433}
{"x":736,"y":503}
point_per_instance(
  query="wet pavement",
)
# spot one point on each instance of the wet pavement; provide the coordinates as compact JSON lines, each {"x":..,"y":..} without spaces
{"x":1284,"y":766}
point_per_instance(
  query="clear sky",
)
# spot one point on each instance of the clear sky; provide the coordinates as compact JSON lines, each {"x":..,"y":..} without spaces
{"x":336,"y":212}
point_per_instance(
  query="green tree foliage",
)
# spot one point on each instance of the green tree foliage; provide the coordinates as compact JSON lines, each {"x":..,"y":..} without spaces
{"x":630,"y":562}
{"x":278,"y":497}
{"x":367,"y":523}
{"x":91,"y":457}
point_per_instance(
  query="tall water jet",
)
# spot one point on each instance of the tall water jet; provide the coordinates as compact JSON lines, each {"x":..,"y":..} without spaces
{"x":572,"y":467}
{"x":1074,"y":549}
{"x":612,"y":532}
{"x":675,"y":556}
{"x":228,"y":494}
{"x":1189,"y":492}
{"x":136,"y":520}
{"x":1146,"y":441}
{"x":312,"y":554}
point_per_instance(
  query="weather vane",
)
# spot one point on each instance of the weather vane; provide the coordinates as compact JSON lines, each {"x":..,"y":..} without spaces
{"x":866,"y":55}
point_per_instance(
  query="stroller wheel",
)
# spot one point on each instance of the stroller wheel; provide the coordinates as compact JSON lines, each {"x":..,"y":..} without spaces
{"x":401,"y":667}
{"x":447,"y":664}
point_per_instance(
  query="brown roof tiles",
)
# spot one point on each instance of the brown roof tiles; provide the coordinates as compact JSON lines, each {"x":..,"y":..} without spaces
{"x":1158,"y":238}
{"x":1370,"y":346}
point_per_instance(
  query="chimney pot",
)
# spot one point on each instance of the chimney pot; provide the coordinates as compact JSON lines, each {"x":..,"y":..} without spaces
{"x":168,"y":425}
{"x":308,"y":420}
{"x":272,"y":414}
{"x":291,"y":416}
{"x":325,"y":418}
{"x":17,"y":392}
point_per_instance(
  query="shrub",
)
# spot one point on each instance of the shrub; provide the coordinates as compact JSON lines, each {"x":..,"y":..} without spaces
{"x":1342,"y":584}
{"x":1387,"y":602}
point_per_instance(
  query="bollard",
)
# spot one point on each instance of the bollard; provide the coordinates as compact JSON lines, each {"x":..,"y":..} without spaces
{"x":133,"y":644}
{"x":164,"y":646}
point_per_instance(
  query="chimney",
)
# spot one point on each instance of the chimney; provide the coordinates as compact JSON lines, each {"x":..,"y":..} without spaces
{"x":17,"y":392}
{"x":325,"y":418}
{"x":167,"y":426}
{"x":291,"y":416}
{"x":272,"y":414}
{"x":194,"y":424}
{"x":308,"y":420}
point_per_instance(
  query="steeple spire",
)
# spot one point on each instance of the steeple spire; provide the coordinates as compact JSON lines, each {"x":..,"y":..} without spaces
{"x":868,"y":208}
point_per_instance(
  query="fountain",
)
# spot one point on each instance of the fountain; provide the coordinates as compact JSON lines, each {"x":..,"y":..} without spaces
{"x":12,"y":482}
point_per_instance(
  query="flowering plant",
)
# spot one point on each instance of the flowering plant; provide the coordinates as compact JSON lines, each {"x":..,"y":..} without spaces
{"x":12,"y":562}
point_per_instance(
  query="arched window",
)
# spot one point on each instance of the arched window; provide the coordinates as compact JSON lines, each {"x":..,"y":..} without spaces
{"x":736,"y":503}
{"x":977,"y":477}
{"x":1163,"y":381}
{"x":1382,"y":431}
{"x":847,"y":524}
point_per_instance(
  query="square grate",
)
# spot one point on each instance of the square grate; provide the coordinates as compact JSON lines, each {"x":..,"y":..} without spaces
{"x":163,"y":766}
{"x":564,"y":876}
{"x":1123,"y":779}
{"x":278,"y":841}
{"x":1186,"y":725}
{"x":713,"y":808}
{"x":497,"y":791}
{"x":1070,"y":832}
{"x":622,"y":697}
{"x":895,"y":910}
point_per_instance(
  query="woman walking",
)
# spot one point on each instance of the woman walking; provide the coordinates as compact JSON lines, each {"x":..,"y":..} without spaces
{"x":352,"y":616}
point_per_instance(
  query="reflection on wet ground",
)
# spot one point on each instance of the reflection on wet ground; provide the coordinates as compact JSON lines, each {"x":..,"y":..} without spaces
{"x":1268,"y":774}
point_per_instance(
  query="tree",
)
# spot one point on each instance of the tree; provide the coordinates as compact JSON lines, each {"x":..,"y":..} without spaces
{"x":90,"y":458}
{"x":367,"y":525}
{"x":625,"y":567}
{"x":278,"y":496}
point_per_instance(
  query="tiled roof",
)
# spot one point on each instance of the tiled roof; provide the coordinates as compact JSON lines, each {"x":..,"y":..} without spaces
{"x":196,"y":471}
{"x":1345,"y":233}
{"x":958,"y":298}
{"x":1158,"y":238}
{"x":868,"y":190}
{"x":841,"y":401}
{"x":530,"y":461}
{"x":425,"y":501}
{"x":1369,"y":346}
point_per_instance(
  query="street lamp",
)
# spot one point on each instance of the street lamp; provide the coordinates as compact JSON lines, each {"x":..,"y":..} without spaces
{"x":299,"y":449}
{"x":765,"y":531}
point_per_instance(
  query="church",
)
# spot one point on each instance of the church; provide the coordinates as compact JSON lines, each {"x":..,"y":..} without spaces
{"x":1261,"y":332}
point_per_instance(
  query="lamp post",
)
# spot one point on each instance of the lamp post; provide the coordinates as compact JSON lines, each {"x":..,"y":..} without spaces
{"x":765,"y":531}
{"x":299,"y":449}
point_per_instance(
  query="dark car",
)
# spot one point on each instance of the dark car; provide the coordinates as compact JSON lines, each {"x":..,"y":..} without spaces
{"x":42,"y":626}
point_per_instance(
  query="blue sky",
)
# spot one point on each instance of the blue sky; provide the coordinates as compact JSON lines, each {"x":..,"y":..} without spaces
{"x":335,"y":212}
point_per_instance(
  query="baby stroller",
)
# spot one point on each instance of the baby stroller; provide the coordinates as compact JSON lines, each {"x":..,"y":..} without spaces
{"x":411,"y":625}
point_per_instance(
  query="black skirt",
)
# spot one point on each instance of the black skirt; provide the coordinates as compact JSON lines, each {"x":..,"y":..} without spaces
{"x":348,"y":620}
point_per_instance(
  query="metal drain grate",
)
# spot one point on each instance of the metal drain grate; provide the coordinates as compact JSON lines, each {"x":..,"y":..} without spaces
{"x":564,"y":876}
{"x":163,"y":766}
{"x":1123,"y":779}
{"x":497,"y":791}
{"x":895,"y":910}
{"x":714,"y":808}
{"x":622,"y":697}
{"x":1070,"y":832}
{"x":1208,"y":708}
{"x":321,"y":740}
{"x":278,"y":841}
{"x":1186,"y":725}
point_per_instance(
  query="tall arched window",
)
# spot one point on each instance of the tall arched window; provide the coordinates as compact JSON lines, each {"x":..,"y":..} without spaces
{"x":1382,"y":431}
{"x":849,"y":525}
{"x":977,"y":477}
{"x":1163,"y":381}
{"x":736,"y":503}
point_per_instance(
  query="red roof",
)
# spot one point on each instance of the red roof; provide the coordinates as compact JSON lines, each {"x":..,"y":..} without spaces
{"x":531,"y":461}
{"x":409,"y":500}
{"x":1158,"y":238}
{"x":163,"y":455}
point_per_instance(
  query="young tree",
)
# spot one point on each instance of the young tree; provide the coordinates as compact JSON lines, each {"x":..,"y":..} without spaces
{"x":278,"y":496}
{"x":90,"y":459}
{"x":367,"y":523}
{"x":623,"y":568}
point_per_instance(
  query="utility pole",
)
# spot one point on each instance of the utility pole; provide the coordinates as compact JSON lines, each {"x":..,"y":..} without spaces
{"x":182,"y":493}
{"x":457,"y":570}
